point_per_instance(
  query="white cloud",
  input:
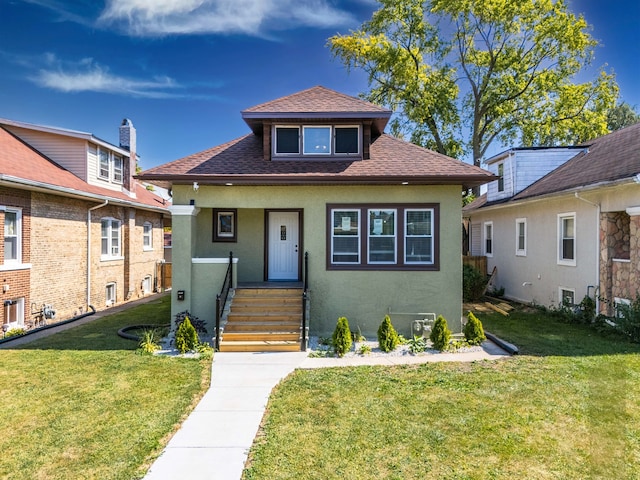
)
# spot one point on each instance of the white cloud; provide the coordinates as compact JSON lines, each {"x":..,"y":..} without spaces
{"x":249,"y":17}
{"x":88,"y":76}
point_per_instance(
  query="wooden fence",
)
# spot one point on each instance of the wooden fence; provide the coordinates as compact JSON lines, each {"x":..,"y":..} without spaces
{"x":478,"y":262}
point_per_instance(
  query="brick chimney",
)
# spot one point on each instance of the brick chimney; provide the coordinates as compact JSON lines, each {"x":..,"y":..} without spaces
{"x":128,"y":142}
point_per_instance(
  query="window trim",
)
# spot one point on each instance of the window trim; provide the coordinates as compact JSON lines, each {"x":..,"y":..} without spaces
{"x":225,"y":236}
{"x":18,"y":236}
{"x":561,"y":296}
{"x":113,"y":301}
{"x":521,"y":252}
{"x":501,"y":177}
{"x":333,"y":128}
{"x":147,"y":236}
{"x":400,"y":236}
{"x":110,"y":256}
{"x":486,"y":252}
{"x":570,"y":262}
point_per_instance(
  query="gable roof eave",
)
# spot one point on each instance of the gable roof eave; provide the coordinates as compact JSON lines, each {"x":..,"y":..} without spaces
{"x":32,"y":185}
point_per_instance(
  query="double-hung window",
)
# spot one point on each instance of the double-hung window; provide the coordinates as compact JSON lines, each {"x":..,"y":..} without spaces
{"x":521,"y":237}
{"x":566,"y":239}
{"x":110,"y":164}
{"x":501,"y":177}
{"x":12,"y":236}
{"x":488,"y":239}
{"x":110,"y":236}
{"x":147,"y":236}
{"x":345,"y":236}
{"x":382,"y":237}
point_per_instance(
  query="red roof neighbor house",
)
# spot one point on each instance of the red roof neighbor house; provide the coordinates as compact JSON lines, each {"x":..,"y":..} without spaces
{"x":318,"y":199}
{"x":76,"y":238}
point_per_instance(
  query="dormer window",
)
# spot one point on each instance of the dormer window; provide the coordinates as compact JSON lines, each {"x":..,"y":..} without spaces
{"x":317,"y":140}
{"x":110,"y":164}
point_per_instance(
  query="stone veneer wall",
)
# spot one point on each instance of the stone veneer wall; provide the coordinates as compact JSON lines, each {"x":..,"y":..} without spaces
{"x":619,"y":258}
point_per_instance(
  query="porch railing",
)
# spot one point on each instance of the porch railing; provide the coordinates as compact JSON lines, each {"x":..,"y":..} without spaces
{"x":221,"y":299}
{"x":305,"y":300}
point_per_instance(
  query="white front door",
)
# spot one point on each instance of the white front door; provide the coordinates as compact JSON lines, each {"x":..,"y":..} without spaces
{"x":283,"y":246}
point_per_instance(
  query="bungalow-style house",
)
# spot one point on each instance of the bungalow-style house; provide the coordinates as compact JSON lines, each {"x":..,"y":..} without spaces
{"x":317,"y":196}
{"x":79,"y":231}
{"x":563,"y":223}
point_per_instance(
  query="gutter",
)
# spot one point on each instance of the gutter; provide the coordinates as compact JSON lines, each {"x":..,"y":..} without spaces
{"x":598,"y":246}
{"x":106,"y":202}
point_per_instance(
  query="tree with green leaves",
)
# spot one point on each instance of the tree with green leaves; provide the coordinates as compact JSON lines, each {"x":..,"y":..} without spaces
{"x":461,"y":74}
{"x":621,"y":116}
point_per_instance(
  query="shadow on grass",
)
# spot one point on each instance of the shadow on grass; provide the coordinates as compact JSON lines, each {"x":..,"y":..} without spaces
{"x":101,"y":332}
{"x":538,"y":334}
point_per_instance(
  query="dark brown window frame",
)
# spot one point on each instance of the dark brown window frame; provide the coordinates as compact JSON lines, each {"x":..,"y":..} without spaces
{"x":219,"y":236}
{"x":400,"y":264}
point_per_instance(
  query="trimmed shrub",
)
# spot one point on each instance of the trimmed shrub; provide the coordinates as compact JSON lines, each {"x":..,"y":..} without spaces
{"x":387,"y":336}
{"x":440,"y":334}
{"x":186,"y":337}
{"x":14,"y":332}
{"x":473,"y":331}
{"x":473,"y":283}
{"x":342,"y":337}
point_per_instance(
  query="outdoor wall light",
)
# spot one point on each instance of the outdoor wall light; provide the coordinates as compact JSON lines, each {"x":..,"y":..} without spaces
{"x":196,"y":187}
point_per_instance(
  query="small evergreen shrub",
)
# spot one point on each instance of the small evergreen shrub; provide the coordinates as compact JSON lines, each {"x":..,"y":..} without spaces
{"x":186,"y":337}
{"x":342,"y":337}
{"x":440,"y":334}
{"x":387,"y":336}
{"x":473,"y":283}
{"x":628,"y":319}
{"x":473,"y":331}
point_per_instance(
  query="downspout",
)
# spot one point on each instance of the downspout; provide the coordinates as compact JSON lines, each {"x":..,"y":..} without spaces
{"x":106,"y":202}
{"x":597,"y":205}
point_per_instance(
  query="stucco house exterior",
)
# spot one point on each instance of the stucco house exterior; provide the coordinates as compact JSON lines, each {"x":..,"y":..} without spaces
{"x":79,"y":231}
{"x":563,"y":223}
{"x":376,"y":218}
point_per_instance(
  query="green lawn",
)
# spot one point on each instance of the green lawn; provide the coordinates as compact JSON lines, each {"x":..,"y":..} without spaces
{"x":81,"y":404}
{"x":567,"y":407}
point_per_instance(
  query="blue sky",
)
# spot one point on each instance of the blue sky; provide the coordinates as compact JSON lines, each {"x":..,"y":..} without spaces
{"x":182,"y":70}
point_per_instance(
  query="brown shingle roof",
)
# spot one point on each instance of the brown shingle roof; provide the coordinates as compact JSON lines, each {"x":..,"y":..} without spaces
{"x":610,"y":158}
{"x":316,"y":103}
{"x":241,"y":162}
{"x":22,"y":165}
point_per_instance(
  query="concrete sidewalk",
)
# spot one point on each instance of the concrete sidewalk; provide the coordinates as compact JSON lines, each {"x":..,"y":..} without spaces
{"x":214,"y":441}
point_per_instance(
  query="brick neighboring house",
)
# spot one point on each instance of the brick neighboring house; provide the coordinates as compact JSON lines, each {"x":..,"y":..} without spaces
{"x":79,"y":231}
{"x":563,"y":223}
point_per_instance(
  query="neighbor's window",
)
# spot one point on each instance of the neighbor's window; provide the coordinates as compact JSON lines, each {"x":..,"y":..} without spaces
{"x":418,"y":236}
{"x":14,"y":312}
{"x":566,"y":239}
{"x":567,"y":297}
{"x":501,"y":177}
{"x":488,"y":239}
{"x":147,"y":236}
{"x":110,"y":235}
{"x":117,"y":168}
{"x":110,"y":164}
{"x":110,"y":294}
{"x":521,"y":237}
{"x":382,"y":237}
{"x":12,"y":235}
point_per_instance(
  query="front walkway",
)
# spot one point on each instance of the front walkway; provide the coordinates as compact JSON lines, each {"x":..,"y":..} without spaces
{"x":214,"y":441}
